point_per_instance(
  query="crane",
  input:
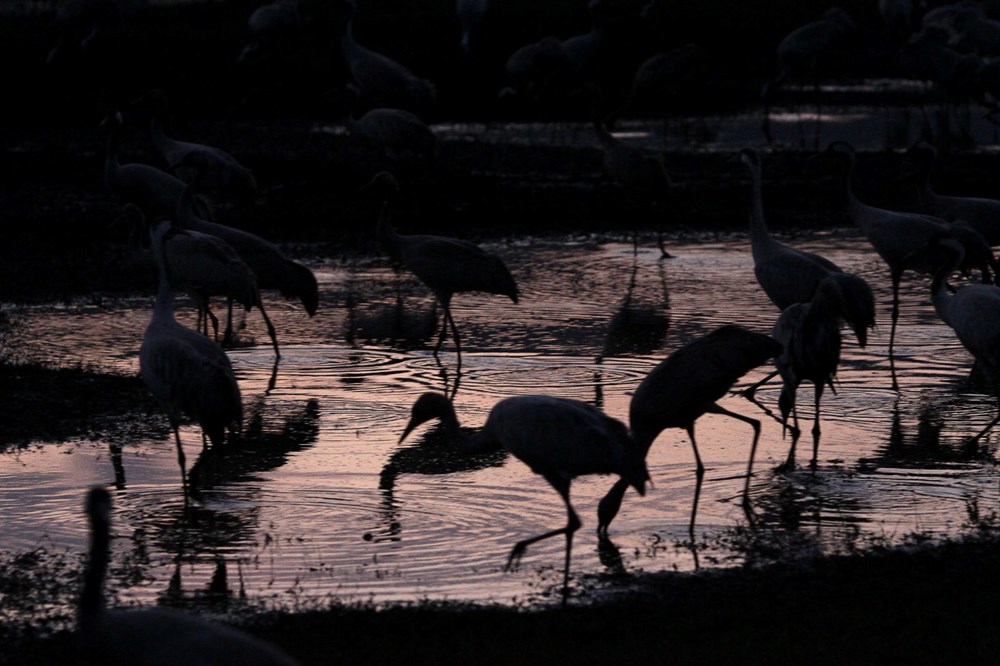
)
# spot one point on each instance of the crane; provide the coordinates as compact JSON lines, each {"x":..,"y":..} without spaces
{"x":558,"y":438}
{"x":187,"y":373}
{"x":153,"y":636}
{"x":447,"y":266}
{"x":683,"y":387}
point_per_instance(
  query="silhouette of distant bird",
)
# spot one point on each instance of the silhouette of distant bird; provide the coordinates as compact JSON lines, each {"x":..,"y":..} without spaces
{"x":981,"y":213}
{"x":683,"y":387}
{"x":642,"y":175}
{"x":558,"y":438}
{"x":153,"y":190}
{"x":203,"y":266}
{"x":896,"y":234}
{"x":270,"y":24}
{"x":393,"y":133}
{"x":973,"y":312}
{"x":219,"y":170}
{"x":153,"y":636}
{"x":809,"y":334}
{"x":271,"y":267}
{"x":382,"y":81}
{"x":803,"y":51}
{"x":447,"y":266}
{"x":187,"y":373}
{"x":789,"y":275}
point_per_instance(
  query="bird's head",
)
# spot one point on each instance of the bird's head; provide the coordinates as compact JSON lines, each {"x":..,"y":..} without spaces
{"x":384,"y":184}
{"x":428,"y":406}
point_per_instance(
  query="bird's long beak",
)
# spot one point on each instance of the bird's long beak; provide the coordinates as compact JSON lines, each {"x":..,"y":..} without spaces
{"x":409,"y":428}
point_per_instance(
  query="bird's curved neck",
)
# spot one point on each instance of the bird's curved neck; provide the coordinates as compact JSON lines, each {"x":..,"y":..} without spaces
{"x":940,"y":296}
{"x":91,"y":601}
{"x":386,"y":235}
{"x":759,"y":234}
{"x":927,"y":194}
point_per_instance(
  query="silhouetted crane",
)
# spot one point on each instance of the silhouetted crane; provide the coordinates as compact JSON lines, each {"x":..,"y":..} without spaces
{"x":981,"y":213}
{"x":382,"y":81}
{"x":218,"y":170}
{"x":973,"y":312}
{"x":153,"y":636}
{"x":447,"y":266}
{"x":789,"y":275}
{"x":393,"y":133}
{"x":558,"y":438}
{"x":642,"y":175}
{"x":187,"y":373}
{"x":203,"y":266}
{"x":896,"y":234}
{"x":271,"y":267}
{"x":683,"y":387}
{"x":803,"y":51}
{"x":809,"y":334}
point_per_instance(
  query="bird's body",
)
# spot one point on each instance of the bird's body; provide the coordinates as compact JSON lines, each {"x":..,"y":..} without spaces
{"x":203,"y":266}
{"x":642,"y":175}
{"x":789,"y":275}
{"x":382,"y":81}
{"x":447,"y":266}
{"x":809,"y":334}
{"x":187,"y":373}
{"x":558,"y":438}
{"x":661,"y":80}
{"x":156,"y":636}
{"x":272,"y":269}
{"x":686,"y":385}
{"x":973,"y":312}
{"x":220,"y":171}
{"x":153,"y":190}
{"x":393,"y":132}
{"x":981,"y":213}
{"x":895,"y":235}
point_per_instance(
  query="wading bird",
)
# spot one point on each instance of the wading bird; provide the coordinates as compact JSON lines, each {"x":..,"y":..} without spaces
{"x":789,"y":276}
{"x":153,"y":190}
{"x":218,"y":170}
{"x":809,"y":334}
{"x":896,"y":234}
{"x":804,"y":52}
{"x":982,"y":214}
{"x":642,"y":175}
{"x":382,"y":81}
{"x":447,"y":266}
{"x":203,"y":266}
{"x":392,"y":133}
{"x":683,"y":387}
{"x":271,"y":267}
{"x":154,"y":636}
{"x":558,"y":438}
{"x":187,"y":373}
{"x":973,"y":312}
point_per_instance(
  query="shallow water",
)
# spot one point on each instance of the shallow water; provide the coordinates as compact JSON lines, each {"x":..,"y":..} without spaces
{"x":320,"y":502}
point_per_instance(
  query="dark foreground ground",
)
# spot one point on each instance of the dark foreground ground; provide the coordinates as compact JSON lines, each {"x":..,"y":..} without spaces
{"x":937,"y":605}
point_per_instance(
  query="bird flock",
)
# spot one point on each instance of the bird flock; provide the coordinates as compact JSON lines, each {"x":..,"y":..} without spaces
{"x":389,"y":107}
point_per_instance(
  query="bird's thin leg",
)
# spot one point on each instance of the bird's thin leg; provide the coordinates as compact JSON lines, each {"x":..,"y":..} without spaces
{"x":182,"y":461}
{"x":699,"y":476}
{"x":815,"y":431}
{"x":755,"y":424}
{"x":454,"y":331}
{"x":892,"y":329}
{"x":982,"y":432}
{"x":215,"y":322}
{"x":270,"y":329}
{"x":749,"y":392}
{"x":561,"y":484}
{"x":444,"y":328}
{"x":227,"y":337}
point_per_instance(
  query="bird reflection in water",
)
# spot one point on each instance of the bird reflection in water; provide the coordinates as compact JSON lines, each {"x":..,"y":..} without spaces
{"x":639,"y":325}
{"x":431,"y":454}
{"x":258,"y":448}
{"x":401,"y":326}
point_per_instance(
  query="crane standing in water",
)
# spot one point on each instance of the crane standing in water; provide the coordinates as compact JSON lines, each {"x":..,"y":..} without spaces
{"x":683,"y":387}
{"x":558,"y":438}
{"x":187,"y":373}
{"x":447,"y":266}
